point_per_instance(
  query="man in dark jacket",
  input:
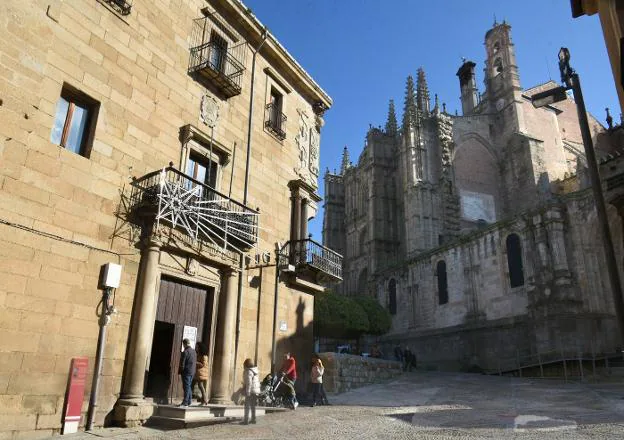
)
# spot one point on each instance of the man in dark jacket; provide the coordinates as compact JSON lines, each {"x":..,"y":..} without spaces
{"x":188,"y":363}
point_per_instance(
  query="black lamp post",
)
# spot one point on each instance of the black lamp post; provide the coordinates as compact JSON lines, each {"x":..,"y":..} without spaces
{"x":572,"y":82}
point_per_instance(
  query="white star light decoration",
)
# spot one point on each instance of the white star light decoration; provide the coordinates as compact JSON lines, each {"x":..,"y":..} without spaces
{"x":205,"y":214}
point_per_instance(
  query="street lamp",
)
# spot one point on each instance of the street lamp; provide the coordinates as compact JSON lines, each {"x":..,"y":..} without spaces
{"x":572,"y":82}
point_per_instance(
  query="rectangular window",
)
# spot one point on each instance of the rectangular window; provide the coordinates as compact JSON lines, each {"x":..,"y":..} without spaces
{"x":276,"y":120}
{"x":202,"y":169}
{"x":74,"y":121}
{"x":218,"y":51}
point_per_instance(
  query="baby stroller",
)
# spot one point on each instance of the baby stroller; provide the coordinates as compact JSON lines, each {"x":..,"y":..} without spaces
{"x":274,"y":392}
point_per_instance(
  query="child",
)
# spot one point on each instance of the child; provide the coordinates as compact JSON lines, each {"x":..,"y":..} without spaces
{"x":251,"y":384}
{"x":202,"y":373}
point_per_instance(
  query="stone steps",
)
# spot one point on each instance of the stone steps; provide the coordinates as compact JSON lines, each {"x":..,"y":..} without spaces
{"x":181,"y":417}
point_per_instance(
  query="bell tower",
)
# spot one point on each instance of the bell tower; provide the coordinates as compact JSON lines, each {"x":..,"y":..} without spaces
{"x":502,"y":80}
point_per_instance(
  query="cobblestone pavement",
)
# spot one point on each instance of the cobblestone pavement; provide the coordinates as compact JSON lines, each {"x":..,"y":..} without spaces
{"x":433,"y":406}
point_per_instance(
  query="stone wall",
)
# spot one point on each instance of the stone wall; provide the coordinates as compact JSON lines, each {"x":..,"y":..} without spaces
{"x":344,"y":371}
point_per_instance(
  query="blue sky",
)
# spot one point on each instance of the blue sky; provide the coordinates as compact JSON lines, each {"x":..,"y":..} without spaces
{"x":361,"y":52}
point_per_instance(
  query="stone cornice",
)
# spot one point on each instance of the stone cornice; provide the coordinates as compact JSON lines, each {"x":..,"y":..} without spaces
{"x":253,"y":26}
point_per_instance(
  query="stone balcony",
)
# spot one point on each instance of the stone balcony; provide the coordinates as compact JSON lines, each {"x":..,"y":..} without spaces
{"x":170,"y":197}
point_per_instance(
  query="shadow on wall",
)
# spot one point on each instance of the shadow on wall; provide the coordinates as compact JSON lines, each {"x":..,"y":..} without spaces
{"x":300,"y":345}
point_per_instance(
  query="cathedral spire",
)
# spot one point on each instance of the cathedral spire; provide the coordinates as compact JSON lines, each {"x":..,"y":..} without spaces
{"x":346,"y":162}
{"x":409,"y":109}
{"x":391,"y":123}
{"x":422,"y":92}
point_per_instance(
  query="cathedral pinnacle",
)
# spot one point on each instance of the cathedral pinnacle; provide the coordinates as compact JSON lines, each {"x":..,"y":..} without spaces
{"x":391,"y":123}
{"x":410,"y":117}
{"x":422,"y":92}
{"x":346,"y":162}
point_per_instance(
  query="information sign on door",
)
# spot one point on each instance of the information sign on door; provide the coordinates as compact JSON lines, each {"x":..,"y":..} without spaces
{"x":189,"y":333}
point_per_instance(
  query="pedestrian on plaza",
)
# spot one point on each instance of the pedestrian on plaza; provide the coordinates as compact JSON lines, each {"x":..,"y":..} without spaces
{"x":202,"y":373}
{"x":316,"y":377}
{"x":376,"y":352}
{"x":289,"y":370}
{"x":398,"y":353}
{"x":316,"y":360}
{"x":407,"y":359}
{"x":251,"y":384}
{"x":188,"y":364}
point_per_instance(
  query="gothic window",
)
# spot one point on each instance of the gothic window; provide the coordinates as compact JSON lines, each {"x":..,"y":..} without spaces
{"x":442,"y":282}
{"x":392,"y":297}
{"x":496,"y":48}
{"x":362,"y":281}
{"x":514,"y":261}
{"x":498,"y":66}
{"x":414,"y":305}
{"x":363,"y":237}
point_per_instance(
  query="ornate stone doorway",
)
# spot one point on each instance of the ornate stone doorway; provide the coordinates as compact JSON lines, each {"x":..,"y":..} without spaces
{"x":180,"y":304}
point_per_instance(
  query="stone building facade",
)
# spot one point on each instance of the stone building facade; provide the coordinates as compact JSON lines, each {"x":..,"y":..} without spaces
{"x":478,"y":231}
{"x":175,"y":139}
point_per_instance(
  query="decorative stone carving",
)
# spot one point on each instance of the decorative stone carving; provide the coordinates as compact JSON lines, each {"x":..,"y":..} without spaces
{"x":303,"y":142}
{"x":209,"y":110}
{"x":314,"y":152}
{"x":191,"y":266}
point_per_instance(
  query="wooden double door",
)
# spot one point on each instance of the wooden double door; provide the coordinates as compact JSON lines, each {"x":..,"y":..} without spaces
{"x":180,"y":304}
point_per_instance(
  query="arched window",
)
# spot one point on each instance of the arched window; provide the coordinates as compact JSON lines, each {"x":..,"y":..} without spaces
{"x":392,"y":299}
{"x":498,"y":66}
{"x":363,"y":282}
{"x":442,"y":282}
{"x":363,"y":238}
{"x":496,"y":47}
{"x":514,"y":261}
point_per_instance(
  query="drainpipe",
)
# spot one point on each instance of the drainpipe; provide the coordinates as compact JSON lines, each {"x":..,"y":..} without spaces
{"x":265,"y":34}
{"x":107,"y":310}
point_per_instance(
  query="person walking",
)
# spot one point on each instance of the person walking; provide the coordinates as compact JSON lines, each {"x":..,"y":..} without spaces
{"x":316,"y":377}
{"x":289,"y":370}
{"x":201,"y":376}
{"x":188,"y":364}
{"x":251,"y":384}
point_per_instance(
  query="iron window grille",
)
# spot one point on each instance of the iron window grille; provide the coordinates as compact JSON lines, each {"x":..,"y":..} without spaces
{"x":217,"y":55}
{"x":123,"y":7}
{"x":276,"y":120}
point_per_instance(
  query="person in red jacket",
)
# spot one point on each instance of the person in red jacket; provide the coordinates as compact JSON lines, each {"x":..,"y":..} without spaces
{"x":289,"y":370}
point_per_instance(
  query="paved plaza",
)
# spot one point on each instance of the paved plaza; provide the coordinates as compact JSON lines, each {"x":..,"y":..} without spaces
{"x":433,"y":406}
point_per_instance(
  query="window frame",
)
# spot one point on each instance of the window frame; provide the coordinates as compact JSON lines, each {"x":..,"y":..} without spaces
{"x":515,"y":264}
{"x":74,"y":97}
{"x":392,"y":296}
{"x":442,"y":275}
{"x":275,"y":85}
{"x":196,"y":142}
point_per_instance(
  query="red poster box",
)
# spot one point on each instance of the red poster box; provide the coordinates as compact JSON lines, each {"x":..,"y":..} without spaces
{"x":75,"y":394}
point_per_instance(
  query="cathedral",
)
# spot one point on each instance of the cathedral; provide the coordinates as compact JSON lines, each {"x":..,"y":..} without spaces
{"x":478,"y":231}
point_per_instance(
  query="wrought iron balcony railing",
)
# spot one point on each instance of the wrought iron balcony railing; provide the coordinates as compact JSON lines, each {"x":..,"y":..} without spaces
{"x":276,"y":121}
{"x":121,"y":6}
{"x":200,"y":211}
{"x":315,"y":256}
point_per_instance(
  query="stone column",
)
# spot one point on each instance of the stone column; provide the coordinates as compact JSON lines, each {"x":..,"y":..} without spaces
{"x":304,"y":220}
{"x":295,"y":227}
{"x":142,"y":322}
{"x":224,"y":340}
